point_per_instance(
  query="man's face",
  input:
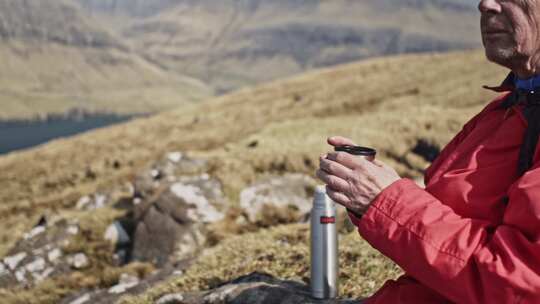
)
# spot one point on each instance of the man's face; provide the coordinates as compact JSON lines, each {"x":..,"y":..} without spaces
{"x":511,"y":31}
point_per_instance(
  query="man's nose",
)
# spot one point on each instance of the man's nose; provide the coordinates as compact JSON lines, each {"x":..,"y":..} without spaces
{"x":489,"y":6}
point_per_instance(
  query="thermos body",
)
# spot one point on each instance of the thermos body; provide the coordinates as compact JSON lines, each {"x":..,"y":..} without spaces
{"x":324,"y":247}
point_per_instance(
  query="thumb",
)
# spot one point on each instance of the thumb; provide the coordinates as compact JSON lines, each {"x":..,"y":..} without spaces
{"x":340,"y":141}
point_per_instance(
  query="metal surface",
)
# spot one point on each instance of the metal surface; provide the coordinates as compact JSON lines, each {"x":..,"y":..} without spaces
{"x":324,"y":247}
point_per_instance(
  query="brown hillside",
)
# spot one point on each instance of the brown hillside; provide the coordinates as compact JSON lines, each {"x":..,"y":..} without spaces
{"x":54,"y":58}
{"x":387,"y":103}
{"x":231,"y":44}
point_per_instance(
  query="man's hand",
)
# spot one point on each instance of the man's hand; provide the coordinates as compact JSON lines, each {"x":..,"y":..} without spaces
{"x":353,"y":181}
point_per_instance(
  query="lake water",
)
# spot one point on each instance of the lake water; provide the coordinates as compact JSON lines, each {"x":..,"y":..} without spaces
{"x":16,"y":135}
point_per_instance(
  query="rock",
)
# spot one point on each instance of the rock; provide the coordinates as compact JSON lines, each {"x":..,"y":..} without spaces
{"x":6,"y":277}
{"x":36,"y":265}
{"x":73,"y":229}
{"x":83,"y":202}
{"x":175,"y":298}
{"x":99,"y":200}
{"x":117,"y":235}
{"x":37,"y":230}
{"x":202,"y":210}
{"x":156,"y":174}
{"x":92,"y":202}
{"x":158,"y":234}
{"x":262,"y":288}
{"x":224,"y":293}
{"x":126,"y":282}
{"x":174,"y":157}
{"x":37,"y":256}
{"x":38,"y":277}
{"x":81,"y":300}
{"x":292,"y":193}
{"x":14,"y":260}
{"x":79,"y":261}
{"x":54,"y":255}
{"x":173,"y":165}
{"x":20,"y":275}
{"x":172,"y":224}
{"x":255,"y":288}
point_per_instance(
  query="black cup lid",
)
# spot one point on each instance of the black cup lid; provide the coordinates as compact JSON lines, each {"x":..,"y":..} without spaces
{"x":356,"y":150}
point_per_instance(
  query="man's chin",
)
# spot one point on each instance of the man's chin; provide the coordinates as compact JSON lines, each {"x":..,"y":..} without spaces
{"x":500,"y":55}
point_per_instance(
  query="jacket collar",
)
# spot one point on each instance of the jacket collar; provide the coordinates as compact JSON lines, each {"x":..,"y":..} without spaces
{"x":508,"y":84}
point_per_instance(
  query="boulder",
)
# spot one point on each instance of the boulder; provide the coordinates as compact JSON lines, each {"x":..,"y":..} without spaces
{"x":36,"y":256}
{"x":117,"y":235}
{"x":255,"y":288}
{"x":290,"y":194}
{"x":171,"y":225}
{"x":172,"y":166}
{"x":126,"y":285}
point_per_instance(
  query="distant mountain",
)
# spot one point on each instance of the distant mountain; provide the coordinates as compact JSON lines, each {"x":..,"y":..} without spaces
{"x":134,"y":8}
{"x":150,"y":55}
{"x":234,"y":43}
{"x":55,"y":58}
{"x":59,"y":21}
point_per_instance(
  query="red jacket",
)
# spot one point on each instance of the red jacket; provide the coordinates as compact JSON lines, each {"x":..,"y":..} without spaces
{"x":473,"y":234}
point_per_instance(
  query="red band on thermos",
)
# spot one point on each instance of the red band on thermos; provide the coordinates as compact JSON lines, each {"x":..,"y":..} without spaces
{"x":328,"y":220}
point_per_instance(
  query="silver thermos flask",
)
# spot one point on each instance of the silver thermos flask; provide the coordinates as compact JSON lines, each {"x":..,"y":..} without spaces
{"x":324,"y":247}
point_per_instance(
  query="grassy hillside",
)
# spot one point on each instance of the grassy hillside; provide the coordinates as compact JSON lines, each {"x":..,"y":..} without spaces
{"x":41,"y":78}
{"x":387,"y":103}
{"x":54,"y":58}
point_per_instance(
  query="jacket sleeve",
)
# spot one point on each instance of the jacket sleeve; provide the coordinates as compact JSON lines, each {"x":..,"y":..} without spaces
{"x":466,"y":260}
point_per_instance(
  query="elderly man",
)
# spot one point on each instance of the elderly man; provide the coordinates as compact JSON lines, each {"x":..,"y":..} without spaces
{"x":473,"y":234}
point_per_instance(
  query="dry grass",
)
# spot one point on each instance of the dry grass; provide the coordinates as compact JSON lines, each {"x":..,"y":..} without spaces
{"x":386,"y":103}
{"x":283,"y":252}
{"x":429,"y":96}
{"x":43,"y":78}
{"x":99,"y":274}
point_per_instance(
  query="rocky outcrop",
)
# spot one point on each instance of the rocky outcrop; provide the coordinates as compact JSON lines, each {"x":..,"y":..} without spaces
{"x":168,"y":209}
{"x":127,"y":285}
{"x":39,"y":254}
{"x":176,"y":202}
{"x":255,"y":288}
{"x":288,"y":196}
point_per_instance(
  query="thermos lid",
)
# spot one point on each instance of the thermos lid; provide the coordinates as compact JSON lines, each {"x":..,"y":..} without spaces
{"x":322,"y":200}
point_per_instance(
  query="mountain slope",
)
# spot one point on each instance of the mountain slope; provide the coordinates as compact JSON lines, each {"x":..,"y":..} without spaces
{"x":231,"y":44}
{"x":431,"y":96}
{"x":54,"y":59}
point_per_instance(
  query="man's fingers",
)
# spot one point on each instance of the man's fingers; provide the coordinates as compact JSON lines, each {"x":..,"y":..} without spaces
{"x":335,"y":168}
{"x":340,"y":141}
{"x":333,"y":181}
{"x":378,"y":163}
{"x":346,"y":159}
{"x":338,"y":197}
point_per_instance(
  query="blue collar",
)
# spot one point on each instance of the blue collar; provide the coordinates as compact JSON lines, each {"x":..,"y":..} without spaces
{"x":529,"y":84}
